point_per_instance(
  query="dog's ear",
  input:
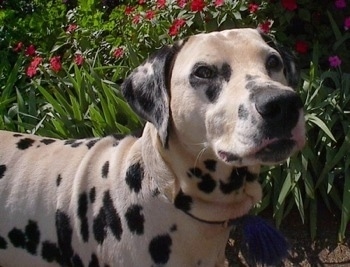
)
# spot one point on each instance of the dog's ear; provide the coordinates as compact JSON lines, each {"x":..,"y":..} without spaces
{"x":147,"y":88}
{"x":291,"y":70}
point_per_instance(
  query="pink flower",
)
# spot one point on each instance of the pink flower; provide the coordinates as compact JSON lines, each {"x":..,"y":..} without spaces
{"x":301,"y":47}
{"x":265,"y":26}
{"x":197,"y":5}
{"x":181,"y":3}
{"x":150,"y":14}
{"x":289,"y":4}
{"x":161,"y":4}
{"x":55,"y":63}
{"x":71,"y":28}
{"x":334,"y":61}
{"x":141,"y":2}
{"x":347,"y":23}
{"x":78,"y":59}
{"x":30,"y":51}
{"x":136,"y":19}
{"x":218,"y":3}
{"x":340,"y":4}
{"x":118,"y":52}
{"x":176,"y":26}
{"x":18,"y":47}
{"x":252,"y":7}
{"x":33,"y":67}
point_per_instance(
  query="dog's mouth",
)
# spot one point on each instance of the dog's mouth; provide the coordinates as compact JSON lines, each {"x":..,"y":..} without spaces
{"x":270,"y":152}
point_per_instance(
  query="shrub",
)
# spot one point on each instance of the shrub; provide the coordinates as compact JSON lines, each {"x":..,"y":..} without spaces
{"x":61,"y":65}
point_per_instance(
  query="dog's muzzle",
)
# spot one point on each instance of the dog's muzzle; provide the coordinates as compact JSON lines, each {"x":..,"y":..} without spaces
{"x":278,"y":126}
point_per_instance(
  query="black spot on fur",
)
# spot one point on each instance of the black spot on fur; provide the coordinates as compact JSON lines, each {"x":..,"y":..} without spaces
{"x":82,"y":214}
{"x":155,"y":192}
{"x":25,"y":143}
{"x":135,"y":219}
{"x":50,"y":252}
{"x":17,"y":135}
{"x":251,"y":85}
{"x":2,"y":170}
{"x":58,"y":180}
{"x":17,"y":238}
{"x":160,"y":249}
{"x":29,"y":239}
{"x":105,"y":169}
{"x":99,"y":226}
{"x":94,"y":261}
{"x":77,"y":262}
{"x":134,"y":177}
{"x":3,"y":243}
{"x":195,"y":171}
{"x":32,"y":237}
{"x":107,"y":217}
{"x":47,"y":141}
{"x":112,"y":217}
{"x":226,"y":71}
{"x":207,"y":183}
{"x":235,"y":181}
{"x":173,"y":228}
{"x":183,"y":202}
{"x":73,"y":142}
{"x":91,"y":143}
{"x":64,"y":237}
{"x":92,"y":195}
{"x":243,"y":112}
{"x":250,"y":177}
{"x":210,"y":164}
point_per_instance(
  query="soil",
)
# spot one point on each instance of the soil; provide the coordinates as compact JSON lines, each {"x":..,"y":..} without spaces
{"x":323,"y":251}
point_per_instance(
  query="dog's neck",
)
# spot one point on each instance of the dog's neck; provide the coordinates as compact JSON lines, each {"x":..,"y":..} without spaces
{"x":200,"y":185}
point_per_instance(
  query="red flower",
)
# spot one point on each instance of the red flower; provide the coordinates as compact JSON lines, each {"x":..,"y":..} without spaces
{"x":181,"y":3}
{"x":161,"y":4}
{"x":176,"y":26}
{"x":18,"y":47}
{"x":71,"y":28}
{"x":289,"y":4}
{"x":136,"y":19}
{"x":78,"y":59}
{"x":30,"y":51}
{"x":141,"y":2}
{"x":252,"y":7}
{"x":150,"y":14}
{"x":129,"y":10}
{"x":218,"y":3}
{"x":265,"y":26}
{"x":301,"y":47}
{"x":197,"y":5}
{"x":118,"y":52}
{"x":55,"y":63}
{"x":33,"y":66}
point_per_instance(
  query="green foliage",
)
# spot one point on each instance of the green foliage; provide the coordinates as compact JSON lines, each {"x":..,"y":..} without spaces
{"x":67,"y":84}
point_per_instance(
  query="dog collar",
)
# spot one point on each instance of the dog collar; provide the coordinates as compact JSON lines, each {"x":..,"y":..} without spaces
{"x":225,"y":224}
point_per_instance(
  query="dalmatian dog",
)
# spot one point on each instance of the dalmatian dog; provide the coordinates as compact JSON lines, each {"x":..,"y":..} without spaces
{"x":217,"y":105}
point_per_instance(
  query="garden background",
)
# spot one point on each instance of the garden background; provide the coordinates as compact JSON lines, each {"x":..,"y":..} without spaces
{"x":62,"y":63}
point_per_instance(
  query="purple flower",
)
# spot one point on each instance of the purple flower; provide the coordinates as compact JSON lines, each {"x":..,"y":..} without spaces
{"x":347,"y":23}
{"x":340,"y":3}
{"x":334,"y":61}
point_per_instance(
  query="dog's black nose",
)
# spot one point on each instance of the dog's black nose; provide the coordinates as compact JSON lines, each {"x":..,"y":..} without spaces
{"x":278,"y":106}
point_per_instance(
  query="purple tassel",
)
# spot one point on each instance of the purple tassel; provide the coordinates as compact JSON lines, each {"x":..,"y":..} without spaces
{"x":263,"y":243}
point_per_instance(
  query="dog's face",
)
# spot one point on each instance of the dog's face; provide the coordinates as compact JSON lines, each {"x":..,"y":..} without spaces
{"x":227,"y":92}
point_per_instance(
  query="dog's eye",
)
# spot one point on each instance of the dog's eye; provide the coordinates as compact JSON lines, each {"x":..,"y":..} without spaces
{"x":204,"y":72}
{"x":274,"y":63}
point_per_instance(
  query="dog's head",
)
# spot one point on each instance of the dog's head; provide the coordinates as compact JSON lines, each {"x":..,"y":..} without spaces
{"x":230,"y":91}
